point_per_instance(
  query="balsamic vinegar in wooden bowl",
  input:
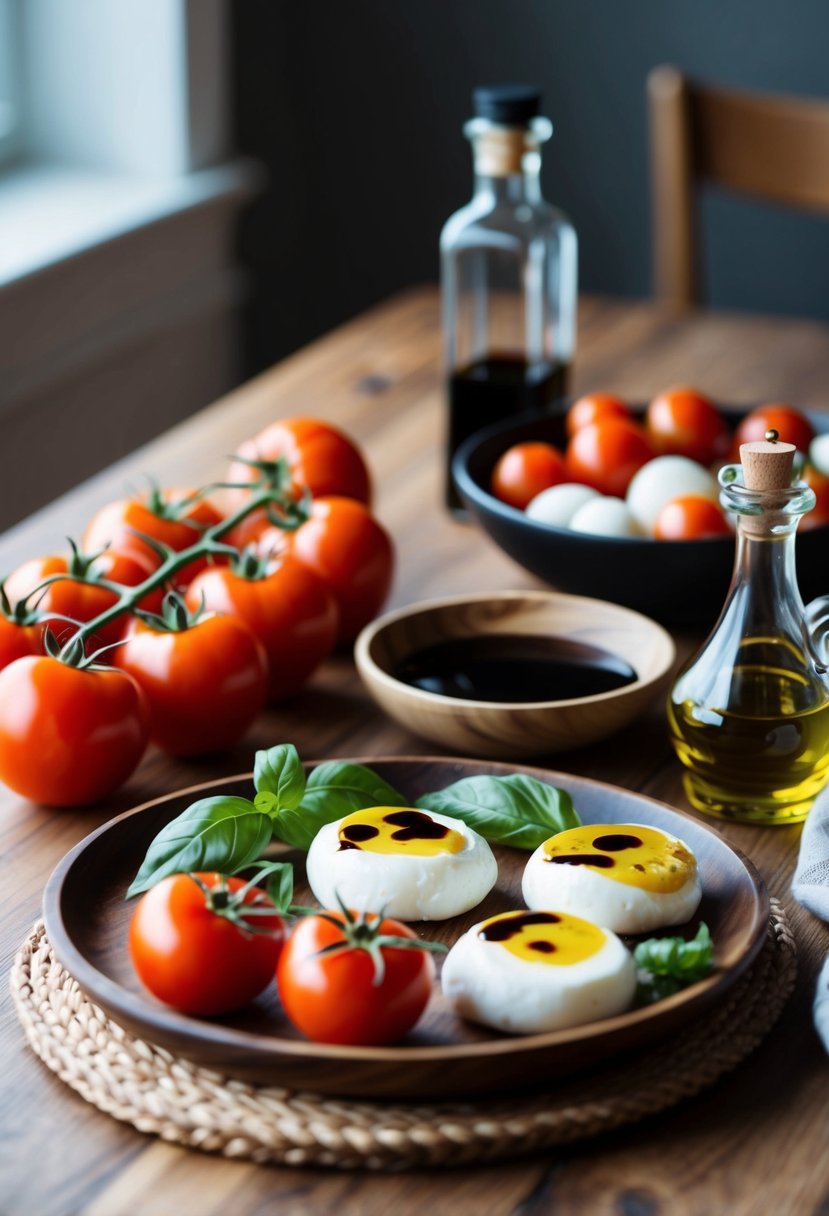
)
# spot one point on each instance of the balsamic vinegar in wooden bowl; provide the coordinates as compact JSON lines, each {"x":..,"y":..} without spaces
{"x":517,"y":673}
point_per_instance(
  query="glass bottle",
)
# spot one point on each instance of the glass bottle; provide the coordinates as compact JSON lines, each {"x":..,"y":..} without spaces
{"x":508,"y":276}
{"x":749,"y":715}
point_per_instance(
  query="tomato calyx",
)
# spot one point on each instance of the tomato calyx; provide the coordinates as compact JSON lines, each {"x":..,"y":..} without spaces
{"x":287,"y":509}
{"x":250,"y":565}
{"x":362,"y":932}
{"x":175,"y":616}
{"x":174,"y":509}
{"x":73,"y":653}
{"x":235,"y":905}
{"x":21,"y":614}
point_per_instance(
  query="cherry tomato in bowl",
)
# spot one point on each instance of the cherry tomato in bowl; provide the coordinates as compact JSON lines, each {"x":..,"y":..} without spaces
{"x":335,"y":990}
{"x":525,"y":470}
{"x":684,"y":422}
{"x":192,"y":947}
{"x":606,"y":454}
{"x":593,"y":408}
{"x":691,"y":517}
{"x":791,"y":425}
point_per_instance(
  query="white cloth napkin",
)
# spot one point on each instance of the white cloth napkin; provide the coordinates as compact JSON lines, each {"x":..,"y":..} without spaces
{"x":810,"y":887}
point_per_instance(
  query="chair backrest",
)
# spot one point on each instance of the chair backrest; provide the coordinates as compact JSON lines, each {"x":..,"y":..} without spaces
{"x":770,"y":147}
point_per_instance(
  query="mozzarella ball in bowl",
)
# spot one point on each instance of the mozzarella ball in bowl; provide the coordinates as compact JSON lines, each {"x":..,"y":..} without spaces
{"x":558,"y":505}
{"x":663,"y":479}
{"x":627,"y":877}
{"x":528,"y":972}
{"x":411,"y":864}
{"x":604,"y":516}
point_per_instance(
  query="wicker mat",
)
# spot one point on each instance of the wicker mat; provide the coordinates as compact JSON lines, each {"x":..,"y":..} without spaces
{"x":148,"y":1087}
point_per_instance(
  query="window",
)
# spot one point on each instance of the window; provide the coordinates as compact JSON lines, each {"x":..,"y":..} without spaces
{"x":9,"y":81}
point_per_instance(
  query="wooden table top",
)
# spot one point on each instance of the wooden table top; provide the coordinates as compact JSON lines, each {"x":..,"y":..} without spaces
{"x":757,"y":1141}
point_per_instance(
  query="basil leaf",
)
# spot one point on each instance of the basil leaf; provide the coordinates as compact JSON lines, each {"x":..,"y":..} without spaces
{"x":220,"y":833}
{"x":337,"y":789}
{"x":279,"y":772}
{"x":517,"y":810}
{"x":676,"y":958}
{"x":280,"y":885}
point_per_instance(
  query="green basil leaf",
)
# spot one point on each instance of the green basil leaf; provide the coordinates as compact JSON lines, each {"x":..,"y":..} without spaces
{"x":278,"y":771}
{"x":220,"y":833}
{"x":517,"y":810}
{"x":675,"y":958}
{"x":334,"y":790}
{"x":280,"y":885}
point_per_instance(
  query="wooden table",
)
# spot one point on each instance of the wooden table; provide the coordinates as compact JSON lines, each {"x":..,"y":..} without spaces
{"x":755,"y":1143}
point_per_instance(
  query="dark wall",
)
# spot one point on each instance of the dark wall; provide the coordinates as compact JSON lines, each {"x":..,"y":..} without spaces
{"x":355,"y":107}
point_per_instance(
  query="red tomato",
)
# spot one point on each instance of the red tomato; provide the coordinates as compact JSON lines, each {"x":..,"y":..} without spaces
{"x":344,"y":544}
{"x":606,"y":454}
{"x":690,"y":518}
{"x":73,"y":597}
{"x":683,"y":422}
{"x":200,"y":960}
{"x":292,"y":612}
{"x":333,"y":998}
{"x":525,"y":470}
{"x":16,"y":641}
{"x":115,"y":525}
{"x":592,"y":408}
{"x":791,"y":425}
{"x":69,"y":736}
{"x":319,"y":456}
{"x":205,"y":685}
{"x":818,"y":517}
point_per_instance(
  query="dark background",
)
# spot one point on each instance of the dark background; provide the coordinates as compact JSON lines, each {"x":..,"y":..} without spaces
{"x":355,"y":108}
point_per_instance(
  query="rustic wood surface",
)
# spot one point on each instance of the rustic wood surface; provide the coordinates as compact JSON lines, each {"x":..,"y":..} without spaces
{"x":757,"y":1141}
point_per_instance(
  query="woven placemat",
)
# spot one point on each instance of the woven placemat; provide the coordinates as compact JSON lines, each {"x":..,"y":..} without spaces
{"x":158,"y":1093}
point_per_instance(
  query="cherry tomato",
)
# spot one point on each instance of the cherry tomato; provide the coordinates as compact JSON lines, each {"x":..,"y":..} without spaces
{"x":319,"y":456}
{"x":525,"y":470}
{"x":606,"y":454}
{"x":344,"y":544}
{"x":690,"y":518}
{"x":69,"y":736}
{"x":16,"y":641}
{"x":161,"y":516}
{"x":683,"y":422}
{"x":818,"y":517}
{"x":333,"y":998}
{"x":205,"y":684}
{"x":73,"y":597}
{"x":592,"y":408}
{"x":291,"y":610}
{"x":198,"y":960}
{"x":791,"y":425}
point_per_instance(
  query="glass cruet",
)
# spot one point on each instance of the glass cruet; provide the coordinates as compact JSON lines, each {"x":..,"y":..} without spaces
{"x":749,"y":714}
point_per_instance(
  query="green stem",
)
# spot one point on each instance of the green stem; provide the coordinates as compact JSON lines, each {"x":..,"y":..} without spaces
{"x":205,"y":545}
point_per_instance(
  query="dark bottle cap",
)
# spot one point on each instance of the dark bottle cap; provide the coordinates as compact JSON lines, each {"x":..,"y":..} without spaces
{"x":510,"y":104}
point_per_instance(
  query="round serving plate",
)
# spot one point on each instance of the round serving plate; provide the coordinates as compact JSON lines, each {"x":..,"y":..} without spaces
{"x":87,"y":916}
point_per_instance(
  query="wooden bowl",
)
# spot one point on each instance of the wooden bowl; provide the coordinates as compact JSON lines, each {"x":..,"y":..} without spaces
{"x":510,"y":729}
{"x":443,"y":1058}
{"x":681,"y":582}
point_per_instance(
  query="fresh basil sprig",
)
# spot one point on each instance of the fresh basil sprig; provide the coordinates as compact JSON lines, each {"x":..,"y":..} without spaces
{"x":517,"y":810}
{"x":229,"y":833}
{"x":667,"y":964}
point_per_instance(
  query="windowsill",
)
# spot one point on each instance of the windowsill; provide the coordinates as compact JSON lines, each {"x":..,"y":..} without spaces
{"x":49,"y":214}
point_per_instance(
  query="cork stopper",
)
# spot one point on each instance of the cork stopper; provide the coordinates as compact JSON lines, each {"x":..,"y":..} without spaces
{"x":767,"y":465}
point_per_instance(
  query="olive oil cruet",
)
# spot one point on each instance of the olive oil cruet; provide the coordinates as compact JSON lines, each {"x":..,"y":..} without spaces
{"x":749,"y":715}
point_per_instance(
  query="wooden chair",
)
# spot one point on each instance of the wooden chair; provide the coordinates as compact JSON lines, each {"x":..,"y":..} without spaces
{"x":757,"y":144}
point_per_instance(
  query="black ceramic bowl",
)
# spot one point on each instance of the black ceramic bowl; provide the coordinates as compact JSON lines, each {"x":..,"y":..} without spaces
{"x":678,"y":582}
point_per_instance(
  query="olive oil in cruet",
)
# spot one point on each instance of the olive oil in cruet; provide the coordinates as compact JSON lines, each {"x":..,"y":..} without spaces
{"x":749,"y":715}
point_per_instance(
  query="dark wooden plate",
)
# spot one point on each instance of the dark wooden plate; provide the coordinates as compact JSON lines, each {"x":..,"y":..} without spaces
{"x":86,"y":920}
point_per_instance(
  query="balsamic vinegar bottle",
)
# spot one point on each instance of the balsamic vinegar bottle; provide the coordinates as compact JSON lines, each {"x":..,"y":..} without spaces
{"x":508,"y":276}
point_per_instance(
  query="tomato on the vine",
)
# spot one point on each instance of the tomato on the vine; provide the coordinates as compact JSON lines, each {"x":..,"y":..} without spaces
{"x":344,"y":544}
{"x":791,"y":425}
{"x":526,"y":469}
{"x":17,"y":640}
{"x":69,"y":735}
{"x":289,"y":608}
{"x":691,"y":517}
{"x":684,"y":422}
{"x":80,"y":595}
{"x":594,"y":407}
{"x":606,"y":454}
{"x":320,"y":457}
{"x":205,"y":680}
{"x":171,"y":517}
{"x":192,"y":947}
{"x":337,"y":991}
